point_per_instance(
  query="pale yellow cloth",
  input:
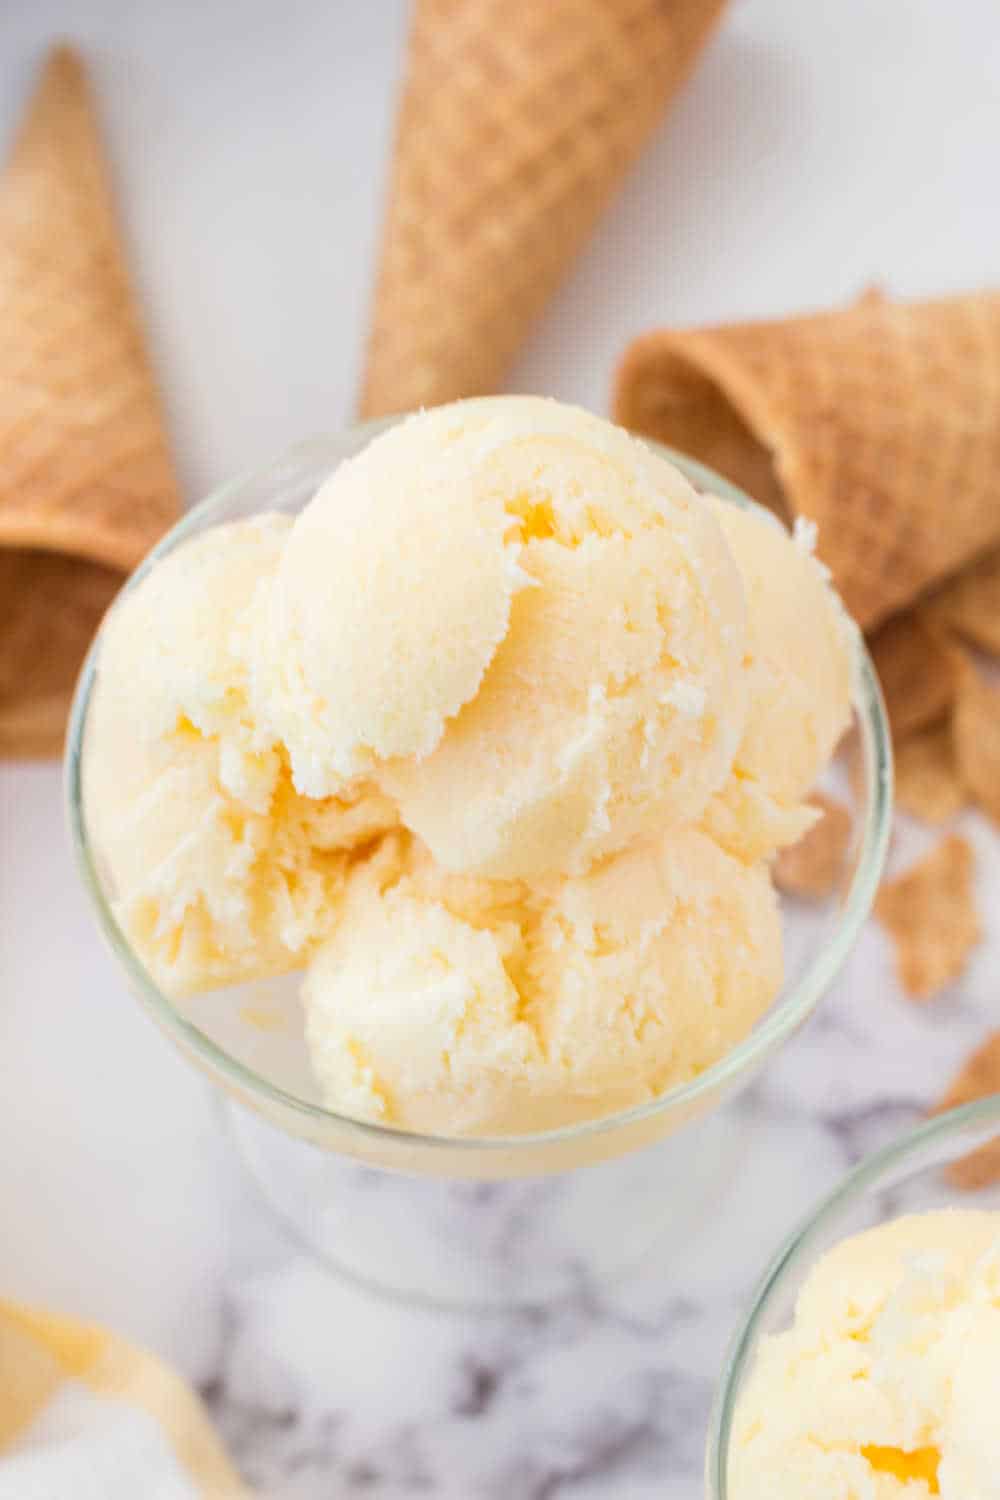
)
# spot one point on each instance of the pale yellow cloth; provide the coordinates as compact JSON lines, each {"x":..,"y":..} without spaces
{"x":82,"y":1413}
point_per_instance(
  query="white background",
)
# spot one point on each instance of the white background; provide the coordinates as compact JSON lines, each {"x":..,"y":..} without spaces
{"x":819,"y":148}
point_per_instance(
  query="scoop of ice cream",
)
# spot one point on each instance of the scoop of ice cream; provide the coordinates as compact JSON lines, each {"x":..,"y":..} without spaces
{"x":652,"y":966}
{"x":470,"y":739}
{"x":412,"y":1015}
{"x":800,"y":649}
{"x":393,"y":594}
{"x":525,"y":624}
{"x":170,"y":648}
{"x":459,"y":1005}
{"x":886,"y":1384}
{"x":218,"y":869}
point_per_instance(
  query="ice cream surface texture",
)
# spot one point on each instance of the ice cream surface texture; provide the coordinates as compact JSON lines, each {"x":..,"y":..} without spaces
{"x":219,"y":870}
{"x":887,"y":1383}
{"x":524,"y":624}
{"x":493,"y":740}
{"x":449,"y":1002}
{"x":800,"y":652}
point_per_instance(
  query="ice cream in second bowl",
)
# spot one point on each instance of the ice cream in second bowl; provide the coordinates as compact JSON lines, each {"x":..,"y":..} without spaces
{"x":494,"y":742}
{"x":868,"y":1365}
{"x":886,"y":1384}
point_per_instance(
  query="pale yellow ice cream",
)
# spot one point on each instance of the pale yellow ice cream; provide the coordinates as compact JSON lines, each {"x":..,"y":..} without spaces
{"x":523,"y":624}
{"x":469,"y":742}
{"x":393,"y":594}
{"x":218,"y":869}
{"x":887,"y":1385}
{"x":801,"y":650}
{"x":446,"y":1003}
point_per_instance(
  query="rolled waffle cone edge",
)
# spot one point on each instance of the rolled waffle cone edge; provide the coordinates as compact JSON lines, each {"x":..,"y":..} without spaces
{"x":880,"y":422}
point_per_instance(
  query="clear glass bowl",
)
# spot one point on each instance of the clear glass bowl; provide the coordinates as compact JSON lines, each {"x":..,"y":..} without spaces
{"x":908,"y":1176}
{"x":249,"y":1040}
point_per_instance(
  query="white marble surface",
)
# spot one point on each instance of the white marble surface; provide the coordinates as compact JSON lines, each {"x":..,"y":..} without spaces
{"x":819,"y":148}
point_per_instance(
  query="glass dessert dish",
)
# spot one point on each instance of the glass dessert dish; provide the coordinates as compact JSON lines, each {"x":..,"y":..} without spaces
{"x":472,"y":1220}
{"x":910,"y":1176}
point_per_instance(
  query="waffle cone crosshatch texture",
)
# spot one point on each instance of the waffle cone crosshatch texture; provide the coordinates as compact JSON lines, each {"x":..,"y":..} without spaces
{"x":86,"y":481}
{"x":517,"y":123}
{"x":875,"y":421}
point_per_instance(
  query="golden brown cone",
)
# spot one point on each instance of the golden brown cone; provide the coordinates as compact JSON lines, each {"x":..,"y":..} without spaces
{"x":50,"y":606}
{"x":880,"y":421}
{"x":970,"y":603}
{"x":84,"y":467}
{"x":976,"y":738}
{"x":517,"y":121}
{"x":918,"y":666}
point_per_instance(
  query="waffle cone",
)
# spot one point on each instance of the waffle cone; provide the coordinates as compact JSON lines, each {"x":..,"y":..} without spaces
{"x":880,"y":422}
{"x":86,"y":484}
{"x":517,"y":122}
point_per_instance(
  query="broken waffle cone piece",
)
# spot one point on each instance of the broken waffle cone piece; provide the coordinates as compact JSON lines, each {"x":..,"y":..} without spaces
{"x":917,"y":669}
{"x":930,"y":914}
{"x":870,"y":420}
{"x":815,"y":865}
{"x":86,"y":482}
{"x":978,"y":1077}
{"x":516,"y":124}
{"x":927,"y":782}
{"x":976,"y":730}
{"x":970,"y":603}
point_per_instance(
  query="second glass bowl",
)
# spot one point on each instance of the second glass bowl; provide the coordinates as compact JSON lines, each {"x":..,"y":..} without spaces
{"x":316,"y":1165}
{"x":909,"y":1176}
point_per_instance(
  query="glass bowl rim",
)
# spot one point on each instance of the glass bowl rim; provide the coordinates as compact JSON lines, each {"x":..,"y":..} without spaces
{"x":779,"y":1022}
{"x":797,"y":1246}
